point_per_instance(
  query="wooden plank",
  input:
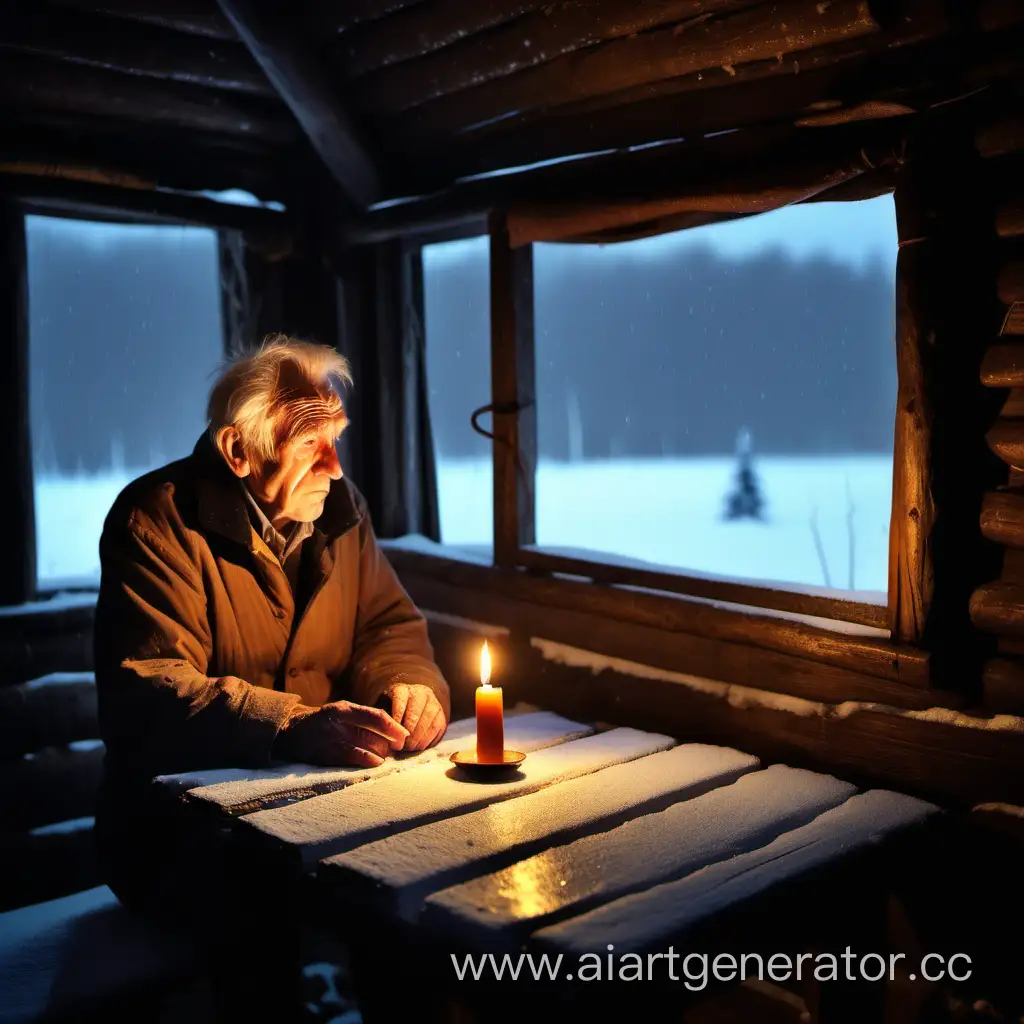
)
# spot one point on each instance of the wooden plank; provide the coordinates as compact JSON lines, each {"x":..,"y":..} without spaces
{"x":47,"y":863}
{"x":48,"y":712}
{"x":760,"y":91}
{"x":497,"y":912}
{"x":936,"y":754}
{"x":394,"y":875}
{"x":327,"y":18}
{"x":236,"y":791}
{"x":51,"y":785}
{"x":332,"y":824}
{"x":302,"y":84}
{"x":41,"y":84}
{"x":195,"y":17}
{"x":402,"y":69}
{"x":998,"y":607}
{"x":1013,"y":322}
{"x":1002,"y":517}
{"x":513,"y":382}
{"x":707,"y":586}
{"x":1000,"y":136}
{"x":419,"y":29}
{"x":1006,"y":439}
{"x":40,"y":637}
{"x":1003,"y":365}
{"x":17,"y":516}
{"x":654,"y":918}
{"x":759,"y":33}
{"x":478,"y":591}
{"x":1003,"y":686}
{"x":133,"y":48}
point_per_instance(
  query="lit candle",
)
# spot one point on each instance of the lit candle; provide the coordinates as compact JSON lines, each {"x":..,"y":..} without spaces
{"x":490,"y":725}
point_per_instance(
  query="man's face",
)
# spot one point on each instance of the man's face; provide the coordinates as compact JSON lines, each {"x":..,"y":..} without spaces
{"x":294,"y":486}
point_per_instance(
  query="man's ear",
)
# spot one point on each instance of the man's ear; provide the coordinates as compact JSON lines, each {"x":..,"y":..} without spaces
{"x":229,"y":444}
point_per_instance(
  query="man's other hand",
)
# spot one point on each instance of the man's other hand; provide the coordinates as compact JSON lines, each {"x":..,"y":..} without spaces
{"x":415,"y":706}
{"x":338,"y":734}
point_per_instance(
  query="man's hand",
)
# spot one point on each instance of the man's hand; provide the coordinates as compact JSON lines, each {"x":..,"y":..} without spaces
{"x":340,"y":733}
{"x":415,"y":706}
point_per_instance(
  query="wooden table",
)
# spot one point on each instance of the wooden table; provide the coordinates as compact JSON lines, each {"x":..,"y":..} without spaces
{"x":614,"y":838}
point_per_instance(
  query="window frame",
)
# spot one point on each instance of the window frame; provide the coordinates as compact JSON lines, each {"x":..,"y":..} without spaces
{"x":100,"y":203}
{"x":514,"y":461}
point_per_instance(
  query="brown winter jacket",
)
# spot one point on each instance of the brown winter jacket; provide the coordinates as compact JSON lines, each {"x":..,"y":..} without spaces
{"x":199,"y":653}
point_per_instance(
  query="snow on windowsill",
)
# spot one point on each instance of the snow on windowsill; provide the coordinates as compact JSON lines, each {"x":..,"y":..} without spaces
{"x":739,"y":696}
{"x":59,"y":602}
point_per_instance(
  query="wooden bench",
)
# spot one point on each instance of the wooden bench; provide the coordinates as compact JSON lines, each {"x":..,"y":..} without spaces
{"x":615,"y":837}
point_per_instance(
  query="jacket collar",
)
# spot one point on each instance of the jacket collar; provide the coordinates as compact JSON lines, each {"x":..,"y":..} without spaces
{"x":223,"y":509}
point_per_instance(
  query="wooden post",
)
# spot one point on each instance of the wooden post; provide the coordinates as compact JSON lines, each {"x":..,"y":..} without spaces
{"x":17,"y":511}
{"x":512,"y":392}
{"x":946,"y":311}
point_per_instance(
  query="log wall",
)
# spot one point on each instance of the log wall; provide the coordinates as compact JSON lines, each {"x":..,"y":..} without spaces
{"x":997,"y":606}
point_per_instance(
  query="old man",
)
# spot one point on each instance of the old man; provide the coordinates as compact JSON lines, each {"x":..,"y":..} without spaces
{"x":246,"y":614}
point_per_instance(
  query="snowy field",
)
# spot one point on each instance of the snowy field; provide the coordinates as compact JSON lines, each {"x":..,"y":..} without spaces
{"x":665,"y":511}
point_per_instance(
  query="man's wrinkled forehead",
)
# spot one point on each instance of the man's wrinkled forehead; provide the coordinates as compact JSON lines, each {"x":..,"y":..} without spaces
{"x":305,"y":409}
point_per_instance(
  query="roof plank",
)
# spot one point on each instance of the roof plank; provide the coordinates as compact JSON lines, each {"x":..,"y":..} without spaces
{"x":134,"y":48}
{"x":752,"y":34}
{"x":525,"y":42}
{"x":42,"y":84}
{"x":194,"y":17}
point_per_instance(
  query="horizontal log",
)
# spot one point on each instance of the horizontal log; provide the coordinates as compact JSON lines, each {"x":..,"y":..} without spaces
{"x":133,"y":48}
{"x":577,"y":33}
{"x":1003,"y":686}
{"x":1011,"y":282}
{"x":998,"y":607}
{"x":1006,"y":439}
{"x":44,"y":637}
{"x":675,"y":616}
{"x":737,"y":172}
{"x":1002,"y":366}
{"x":1013,"y":322}
{"x":47,"y":863}
{"x":41,"y":84}
{"x":759,"y":33}
{"x":195,"y":17}
{"x":1002,"y":517}
{"x":1014,"y":404}
{"x":325,"y":19}
{"x":917,"y":753}
{"x":750,"y":594}
{"x":51,"y":785}
{"x":48,"y":712}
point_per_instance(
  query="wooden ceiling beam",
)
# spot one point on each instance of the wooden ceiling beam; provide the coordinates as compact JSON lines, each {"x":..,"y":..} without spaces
{"x":31,"y":83}
{"x":133,"y":48}
{"x":307,"y":91}
{"x":329,"y":18}
{"x":752,"y":34}
{"x":193,"y":17}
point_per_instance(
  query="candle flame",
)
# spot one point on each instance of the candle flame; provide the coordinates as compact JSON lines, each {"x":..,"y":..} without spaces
{"x":485,"y":666}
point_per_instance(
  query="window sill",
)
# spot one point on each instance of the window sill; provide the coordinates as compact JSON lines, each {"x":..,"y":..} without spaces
{"x":799,"y":654}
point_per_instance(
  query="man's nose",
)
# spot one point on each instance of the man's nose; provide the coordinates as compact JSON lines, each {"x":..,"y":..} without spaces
{"x":330,"y":463}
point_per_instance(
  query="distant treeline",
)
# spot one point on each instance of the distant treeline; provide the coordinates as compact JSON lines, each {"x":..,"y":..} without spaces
{"x":643,"y":357}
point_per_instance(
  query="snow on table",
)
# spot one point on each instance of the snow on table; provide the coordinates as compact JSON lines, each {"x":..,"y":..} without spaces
{"x":397,"y":873}
{"x":339,"y":821}
{"x":242,"y":791}
{"x":498,"y":910}
{"x":657,"y":916}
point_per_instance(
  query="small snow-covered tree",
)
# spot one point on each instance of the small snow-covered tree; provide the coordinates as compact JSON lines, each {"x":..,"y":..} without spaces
{"x":745,"y":500}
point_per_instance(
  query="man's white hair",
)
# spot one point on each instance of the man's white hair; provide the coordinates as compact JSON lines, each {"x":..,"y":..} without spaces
{"x":285,"y":388}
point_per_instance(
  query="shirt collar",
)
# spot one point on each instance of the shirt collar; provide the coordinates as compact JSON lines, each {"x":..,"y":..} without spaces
{"x":282,"y":545}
